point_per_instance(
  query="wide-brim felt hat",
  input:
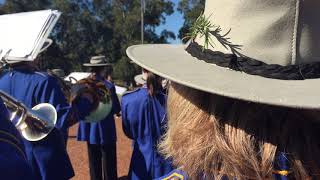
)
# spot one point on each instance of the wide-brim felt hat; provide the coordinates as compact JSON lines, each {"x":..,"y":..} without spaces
{"x":139,"y":79}
{"x":260,"y":51}
{"x":97,"y":61}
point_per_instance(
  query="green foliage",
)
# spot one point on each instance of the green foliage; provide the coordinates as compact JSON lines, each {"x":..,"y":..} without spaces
{"x":124,"y":69}
{"x":97,"y":27}
{"x":225,"y":41}
{"x":196,"y":24}
{"x":191,"y":10}
{"x":203,"y":27}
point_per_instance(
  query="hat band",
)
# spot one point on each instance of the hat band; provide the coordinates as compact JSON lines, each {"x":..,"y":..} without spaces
{"x":255,"y":67}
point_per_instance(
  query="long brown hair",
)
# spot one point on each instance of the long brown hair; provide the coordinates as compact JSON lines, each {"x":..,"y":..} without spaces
{"x":217,"y":136}
{"x":153,"y":83}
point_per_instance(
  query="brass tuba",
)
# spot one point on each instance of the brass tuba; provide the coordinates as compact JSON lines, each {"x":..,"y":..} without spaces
{"x":34,"y":124}
{"x":97,"y":93}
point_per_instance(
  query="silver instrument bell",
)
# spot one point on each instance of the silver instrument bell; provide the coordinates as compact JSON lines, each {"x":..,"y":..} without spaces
{"x":34,"y":124}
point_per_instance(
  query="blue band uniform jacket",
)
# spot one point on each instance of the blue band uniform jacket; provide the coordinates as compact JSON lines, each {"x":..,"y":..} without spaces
{"x":281,"y":171}
{"x":143,"y":119}
{"x":47,"y":157}
{"x":103,"y":132}
{"x":14,"y":164}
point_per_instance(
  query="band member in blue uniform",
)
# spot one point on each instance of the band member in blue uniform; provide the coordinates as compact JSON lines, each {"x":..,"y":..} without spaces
{"x":48,"y":156}
{"x":101,"y":136}
{"x":14,"y":164}
{"x":22,"y":80}
{"x":144,"y":119}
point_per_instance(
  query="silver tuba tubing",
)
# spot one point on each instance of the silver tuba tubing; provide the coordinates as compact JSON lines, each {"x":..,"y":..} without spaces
{"x":34,"y":124}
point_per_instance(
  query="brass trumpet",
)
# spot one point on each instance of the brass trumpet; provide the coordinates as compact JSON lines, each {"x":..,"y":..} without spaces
{"x":34,"y":124}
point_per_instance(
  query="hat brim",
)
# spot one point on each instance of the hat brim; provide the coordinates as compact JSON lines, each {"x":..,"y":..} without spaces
{"x":139,"y":79}
{"x":96,"y":65}
{"x":174,"y":63}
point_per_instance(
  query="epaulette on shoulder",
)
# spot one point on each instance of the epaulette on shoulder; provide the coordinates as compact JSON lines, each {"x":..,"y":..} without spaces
{"x":174,"y":175}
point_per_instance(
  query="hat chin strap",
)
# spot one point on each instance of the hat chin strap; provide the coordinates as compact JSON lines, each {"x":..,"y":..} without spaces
{"x":49,"y":42}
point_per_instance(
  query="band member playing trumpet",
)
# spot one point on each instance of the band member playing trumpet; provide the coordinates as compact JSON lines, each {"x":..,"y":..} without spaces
{"x":14,"y":163}
{"x":101,"y":136}
{"x":24,"y":82}
{"x":21,"y":82}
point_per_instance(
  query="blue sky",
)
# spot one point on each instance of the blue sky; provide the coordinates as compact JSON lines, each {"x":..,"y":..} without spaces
{"x":173,"y":23}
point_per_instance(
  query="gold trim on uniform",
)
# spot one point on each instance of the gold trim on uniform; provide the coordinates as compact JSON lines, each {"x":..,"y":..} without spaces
{"x":281,"y":172}
{"x":174,"y":176}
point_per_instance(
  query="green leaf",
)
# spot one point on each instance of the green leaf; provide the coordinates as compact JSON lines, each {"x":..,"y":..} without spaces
{"x":202,"y":27}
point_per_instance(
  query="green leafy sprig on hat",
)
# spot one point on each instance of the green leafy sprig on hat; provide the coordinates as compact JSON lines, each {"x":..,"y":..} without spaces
{"x":202,"y":27}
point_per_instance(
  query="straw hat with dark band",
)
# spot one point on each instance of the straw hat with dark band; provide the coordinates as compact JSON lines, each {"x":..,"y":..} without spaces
{"x":97,"y":61}
{"x":263,"y":51}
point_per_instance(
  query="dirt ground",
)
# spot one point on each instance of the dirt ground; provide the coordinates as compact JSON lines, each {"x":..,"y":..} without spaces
{"x":79,"y":157}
